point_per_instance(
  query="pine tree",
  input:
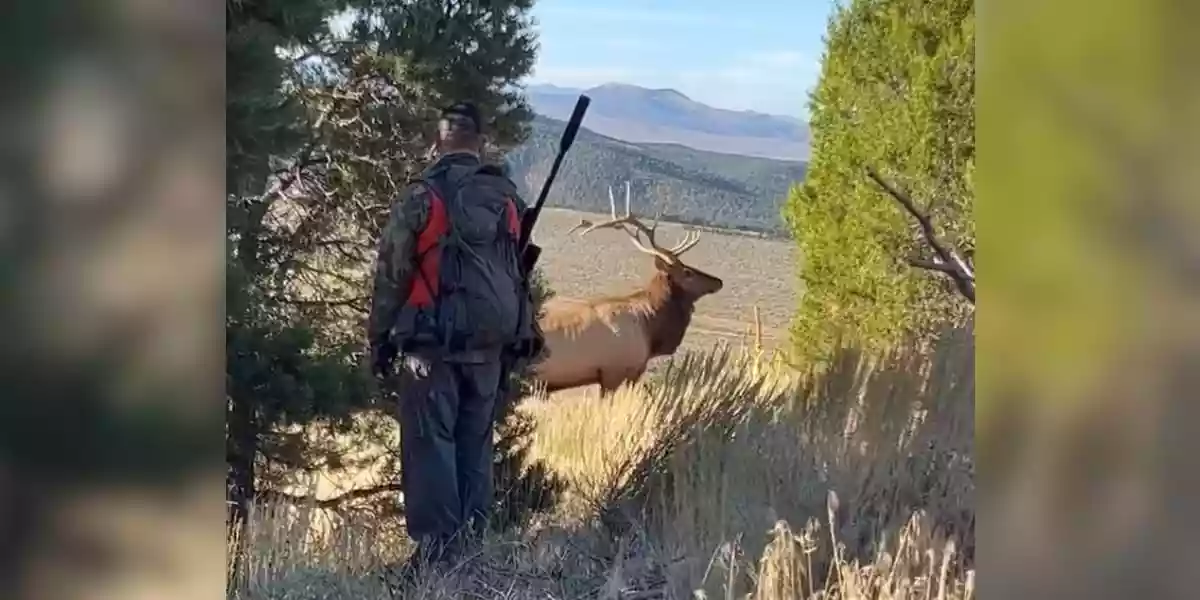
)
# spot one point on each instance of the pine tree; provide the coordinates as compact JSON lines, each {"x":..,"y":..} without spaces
{"x":896,"y":94}
{"x":269,"y":359}
{"x":323,"y":131}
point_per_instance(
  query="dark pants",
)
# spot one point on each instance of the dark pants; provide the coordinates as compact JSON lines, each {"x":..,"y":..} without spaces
{"x":446,"y":418}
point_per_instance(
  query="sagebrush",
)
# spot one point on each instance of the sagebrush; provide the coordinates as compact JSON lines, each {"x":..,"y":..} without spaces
{"x":724,"y":476}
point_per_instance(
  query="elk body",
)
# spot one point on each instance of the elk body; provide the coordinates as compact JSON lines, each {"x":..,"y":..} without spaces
{"x":609,"y":340}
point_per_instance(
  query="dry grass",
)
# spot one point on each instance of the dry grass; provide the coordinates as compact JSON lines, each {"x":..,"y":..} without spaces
{"x":724,"y":475}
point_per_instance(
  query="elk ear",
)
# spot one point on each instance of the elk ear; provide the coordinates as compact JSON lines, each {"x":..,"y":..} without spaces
{"x":661,"y":264}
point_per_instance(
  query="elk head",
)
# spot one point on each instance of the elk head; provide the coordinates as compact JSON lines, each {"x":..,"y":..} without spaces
{"x":689,"y":281}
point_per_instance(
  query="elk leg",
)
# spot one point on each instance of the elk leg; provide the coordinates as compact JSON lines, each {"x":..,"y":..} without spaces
{"x":603,"y":383}
{"x":607,"y":392}
{"x":609,"y":382}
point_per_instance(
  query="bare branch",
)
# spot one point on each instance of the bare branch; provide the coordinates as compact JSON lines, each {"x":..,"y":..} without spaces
{"x":326,"y":274}
{"x":948,"y":260}
{"x":931,"y":265}
{"x":335,"y":502}
{"x":356,"y":302}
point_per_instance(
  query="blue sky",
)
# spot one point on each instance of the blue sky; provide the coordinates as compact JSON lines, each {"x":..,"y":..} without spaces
{"x":748,"y":54}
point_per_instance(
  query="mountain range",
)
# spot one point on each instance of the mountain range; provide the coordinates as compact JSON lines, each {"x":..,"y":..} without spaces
{"x":664,"y":116}
{"x":683,"y":184}
{"x":691,"y":162}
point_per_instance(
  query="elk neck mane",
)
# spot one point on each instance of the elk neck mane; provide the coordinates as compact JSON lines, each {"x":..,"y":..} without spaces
{"x":664,"y":311}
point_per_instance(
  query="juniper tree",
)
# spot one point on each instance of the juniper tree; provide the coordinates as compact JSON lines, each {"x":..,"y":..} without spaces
{"x":896,"y":94}
{"x":324,"y":128}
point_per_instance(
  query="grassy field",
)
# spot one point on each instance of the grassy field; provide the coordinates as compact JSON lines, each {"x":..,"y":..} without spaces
{"x":755,"y":271}
{"x":723,"y":474}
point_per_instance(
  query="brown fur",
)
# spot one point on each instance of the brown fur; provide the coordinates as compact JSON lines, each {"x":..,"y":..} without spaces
{"x":609,"y":340}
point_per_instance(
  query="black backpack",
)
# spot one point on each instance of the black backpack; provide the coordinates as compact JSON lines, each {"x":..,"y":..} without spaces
{"x":468,"y":292}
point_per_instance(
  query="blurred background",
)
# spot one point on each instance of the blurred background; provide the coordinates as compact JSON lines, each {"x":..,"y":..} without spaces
{"x":113,"y":280}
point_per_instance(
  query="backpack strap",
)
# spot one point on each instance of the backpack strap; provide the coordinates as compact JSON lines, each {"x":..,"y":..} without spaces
{"x":428,"y":251}
{"x":512,"y":219}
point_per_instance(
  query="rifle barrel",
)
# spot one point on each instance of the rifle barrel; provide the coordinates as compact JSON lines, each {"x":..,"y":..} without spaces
{"x":564,"y":144}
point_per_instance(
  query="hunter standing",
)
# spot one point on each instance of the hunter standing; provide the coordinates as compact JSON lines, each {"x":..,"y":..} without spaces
{"x":450,"y":309}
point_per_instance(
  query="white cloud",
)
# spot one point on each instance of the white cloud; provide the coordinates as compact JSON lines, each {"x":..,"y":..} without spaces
{"x":784,"y":68}
{"x":772,"y":82}
{"x":733,"y":75}
{"x":781,"y":59}
{"x":638,"y":15}
{"x":626,"y":43}
{"x":775,"y":82}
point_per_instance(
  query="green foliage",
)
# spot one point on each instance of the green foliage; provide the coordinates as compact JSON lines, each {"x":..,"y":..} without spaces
{"x":896,"y":93}
{"x":691,"y":186}
{"x":278,"y":366}
{"x":324,"y":129}
{"x":449,"y":51}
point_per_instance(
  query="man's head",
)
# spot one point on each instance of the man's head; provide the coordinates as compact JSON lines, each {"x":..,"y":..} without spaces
{"x":460,"y":129}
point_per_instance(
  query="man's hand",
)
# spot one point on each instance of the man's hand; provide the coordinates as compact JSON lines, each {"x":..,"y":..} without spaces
{"x":383,"y":357}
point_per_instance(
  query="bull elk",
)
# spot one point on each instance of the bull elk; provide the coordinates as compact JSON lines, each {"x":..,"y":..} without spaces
{"x":609,"y":340}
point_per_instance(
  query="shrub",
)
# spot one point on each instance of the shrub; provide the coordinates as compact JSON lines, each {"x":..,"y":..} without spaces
{"x":696,"y":482}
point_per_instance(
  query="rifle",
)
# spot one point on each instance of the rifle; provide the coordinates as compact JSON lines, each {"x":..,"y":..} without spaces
{"x":530,"y":252}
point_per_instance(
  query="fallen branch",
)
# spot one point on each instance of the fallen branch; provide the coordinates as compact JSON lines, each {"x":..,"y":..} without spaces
{"x":948,"y":260}
{"x":334,"y":503}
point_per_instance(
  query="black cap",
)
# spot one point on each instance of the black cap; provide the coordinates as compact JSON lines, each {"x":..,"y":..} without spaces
{"x":463,"y":114}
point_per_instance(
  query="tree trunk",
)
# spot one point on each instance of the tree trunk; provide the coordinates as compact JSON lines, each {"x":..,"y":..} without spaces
{"x":241,"y":448}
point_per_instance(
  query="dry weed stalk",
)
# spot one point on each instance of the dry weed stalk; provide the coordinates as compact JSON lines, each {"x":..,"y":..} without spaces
{"x":718,"y":452}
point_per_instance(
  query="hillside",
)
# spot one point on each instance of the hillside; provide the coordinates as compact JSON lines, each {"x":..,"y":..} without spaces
{"x":642,"y":115}
{"x":687,"y":185}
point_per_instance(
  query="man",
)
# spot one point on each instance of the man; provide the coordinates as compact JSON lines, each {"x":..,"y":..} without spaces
{"x":452,"y":304}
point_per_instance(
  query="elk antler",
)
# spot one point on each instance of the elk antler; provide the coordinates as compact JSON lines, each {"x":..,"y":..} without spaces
{"x":959,"y":268}
{"x":582,"y":223}
{"x":634,"y":227}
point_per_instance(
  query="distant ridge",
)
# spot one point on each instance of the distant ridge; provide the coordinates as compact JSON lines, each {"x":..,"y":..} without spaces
{"x":688,"y":185}
{"x":642,"y":115}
